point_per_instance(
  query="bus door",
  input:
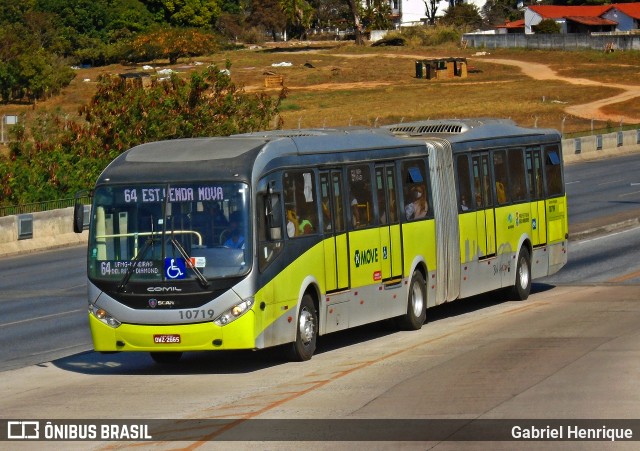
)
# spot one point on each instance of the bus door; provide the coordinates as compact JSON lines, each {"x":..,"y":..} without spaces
{"x":390,"y":238}
{"x":484,"y":203}
{"x":336,"y":256}
{"x":365,"y":251}
{"x":536,"y":194}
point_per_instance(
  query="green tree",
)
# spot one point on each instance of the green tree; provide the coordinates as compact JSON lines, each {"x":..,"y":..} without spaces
{"x":172,"y":43}
{"x":376,"y":15}
{"x":27,"y":70}
{"x":463,"y":15}
{"x":58,"y":157}
{"x":331,"y":13}
{"x":547,"y":26}
{"x":185,"y":13}
{"x":267,"y":15}
{"x":497,"y":12}
{"x":12,"y":11}
{"x":299,"y":15}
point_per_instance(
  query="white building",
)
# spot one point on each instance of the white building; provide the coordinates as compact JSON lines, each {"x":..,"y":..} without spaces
{"x":413,"y":12}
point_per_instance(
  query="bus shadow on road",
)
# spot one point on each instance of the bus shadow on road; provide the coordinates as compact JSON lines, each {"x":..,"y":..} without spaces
{"x":141,"y":363}
{"x":239,"y":362}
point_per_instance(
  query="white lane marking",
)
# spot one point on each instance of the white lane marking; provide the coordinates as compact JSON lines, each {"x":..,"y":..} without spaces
{"x":37,"y":318}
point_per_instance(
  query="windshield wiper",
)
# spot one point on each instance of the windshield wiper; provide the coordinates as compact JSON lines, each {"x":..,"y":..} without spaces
{"x":134,"y":263}
{"x":201,"y":278}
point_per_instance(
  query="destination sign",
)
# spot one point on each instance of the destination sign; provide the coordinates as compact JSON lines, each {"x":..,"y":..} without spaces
{"x":175,"y":194}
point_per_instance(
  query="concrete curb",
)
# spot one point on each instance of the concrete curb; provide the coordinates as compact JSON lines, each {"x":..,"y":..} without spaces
{"x":601,"y":230}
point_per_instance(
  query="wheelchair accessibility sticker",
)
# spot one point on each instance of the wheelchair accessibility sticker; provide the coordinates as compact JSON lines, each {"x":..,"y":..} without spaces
{"x":175,"y":268}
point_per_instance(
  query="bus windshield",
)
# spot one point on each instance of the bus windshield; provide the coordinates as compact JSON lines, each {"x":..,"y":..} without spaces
{"x":169,"y":232}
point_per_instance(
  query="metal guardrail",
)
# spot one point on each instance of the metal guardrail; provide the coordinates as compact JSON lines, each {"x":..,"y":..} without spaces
{"x":41,"y":206}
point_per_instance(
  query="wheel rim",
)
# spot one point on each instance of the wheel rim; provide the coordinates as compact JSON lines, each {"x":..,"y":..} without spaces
{"x":523,"y":274}
{"x":417,"y":300}
{"x":306,"y":326}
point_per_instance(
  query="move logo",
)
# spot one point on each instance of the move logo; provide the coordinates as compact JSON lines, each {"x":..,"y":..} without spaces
{"x":365,"y":257}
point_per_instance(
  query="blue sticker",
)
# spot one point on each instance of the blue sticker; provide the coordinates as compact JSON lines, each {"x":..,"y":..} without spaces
{"x":534,"y":224}
{"x":175,"y":268}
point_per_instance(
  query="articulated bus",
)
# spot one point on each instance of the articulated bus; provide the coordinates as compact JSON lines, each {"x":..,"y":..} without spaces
{"x":276,"y":238}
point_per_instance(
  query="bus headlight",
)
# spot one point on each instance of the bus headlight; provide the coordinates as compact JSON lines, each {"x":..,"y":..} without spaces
{"x":234,"y":312}
{"x":104,"y":316}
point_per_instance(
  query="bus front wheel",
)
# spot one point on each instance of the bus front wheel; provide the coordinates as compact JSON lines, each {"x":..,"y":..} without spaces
{"x":416,"y":304}
{"x":306,"y":331}
{"x":520,"y":291}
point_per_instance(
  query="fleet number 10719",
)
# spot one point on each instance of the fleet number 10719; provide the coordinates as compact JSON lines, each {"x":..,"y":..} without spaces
{"x":196,"y":314}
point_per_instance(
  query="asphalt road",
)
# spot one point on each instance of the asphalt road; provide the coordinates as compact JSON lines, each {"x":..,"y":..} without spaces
{"x":43,"y":307}
{"x":603,"y":192}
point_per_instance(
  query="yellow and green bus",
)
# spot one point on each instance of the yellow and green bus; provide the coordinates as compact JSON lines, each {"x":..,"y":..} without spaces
{"x":276,"y":238}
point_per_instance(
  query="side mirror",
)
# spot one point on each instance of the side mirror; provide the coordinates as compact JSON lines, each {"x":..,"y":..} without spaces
{"x":275,"y":233}
{"x":78,"y":211}
{"x":274,"y":215}
{"x":78,"y":218}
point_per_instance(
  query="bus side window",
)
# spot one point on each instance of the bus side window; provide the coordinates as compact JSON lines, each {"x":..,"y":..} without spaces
{"x":300,"y":200}
{"x":517,"y":175}
{"x":360,"y":196}
{"x":534,"y":173}
{"x":325,"y":202}
{"x":381,"y":196}
{"x":464,"y":183}
{"x":478,"y":183}
{"x":391,"y":194}
{"x":553,"y":171}
{"x":416,"y":205}
{"x":501,"y":178}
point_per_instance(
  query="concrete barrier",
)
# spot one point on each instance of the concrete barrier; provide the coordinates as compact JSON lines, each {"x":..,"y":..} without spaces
{"x":54,"y":228}
{"x":48,"y":230}
{"x":600,"y":146}
{"x":559,"y":41}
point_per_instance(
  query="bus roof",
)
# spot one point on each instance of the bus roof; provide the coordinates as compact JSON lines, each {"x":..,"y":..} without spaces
{"x":234,"y":157}
{"x":467,"y":130}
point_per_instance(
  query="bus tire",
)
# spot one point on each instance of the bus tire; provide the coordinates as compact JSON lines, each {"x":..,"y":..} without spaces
{"x":306,"y":331}
{"x":166,"y":358}
{"x":416,"y":304}
{"x":522,"y":287}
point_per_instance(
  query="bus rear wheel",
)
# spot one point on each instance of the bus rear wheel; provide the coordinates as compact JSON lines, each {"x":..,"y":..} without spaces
{"x":306,"y":331}
{"x":166,"y":358}
{"x":416,"y":304}
{"x":520,"y":291}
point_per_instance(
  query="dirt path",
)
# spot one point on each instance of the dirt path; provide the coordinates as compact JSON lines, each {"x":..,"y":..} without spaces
{"x":589,"y":110}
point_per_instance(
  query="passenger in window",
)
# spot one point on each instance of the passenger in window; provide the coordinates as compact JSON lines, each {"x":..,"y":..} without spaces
{"x":382,"y":210}
{"x":305,"y":226}
{"x":417,"y":206}
{"x":501,"y":192}
{"x":355,"y":212}
{"x":326,"y":215}
{"x":463,"y":204}
{"x":292,"y":223}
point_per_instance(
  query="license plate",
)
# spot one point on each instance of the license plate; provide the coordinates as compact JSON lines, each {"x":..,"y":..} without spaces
{"x":166,"y":338}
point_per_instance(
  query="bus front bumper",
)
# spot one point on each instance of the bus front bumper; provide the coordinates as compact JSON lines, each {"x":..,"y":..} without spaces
{"x":239,"y":334}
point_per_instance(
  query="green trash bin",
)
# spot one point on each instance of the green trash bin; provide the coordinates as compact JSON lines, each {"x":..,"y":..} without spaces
{"x":418,"y":69}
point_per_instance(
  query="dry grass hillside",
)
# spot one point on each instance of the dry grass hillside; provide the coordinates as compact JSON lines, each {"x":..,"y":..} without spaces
{"x":343,"y":84}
